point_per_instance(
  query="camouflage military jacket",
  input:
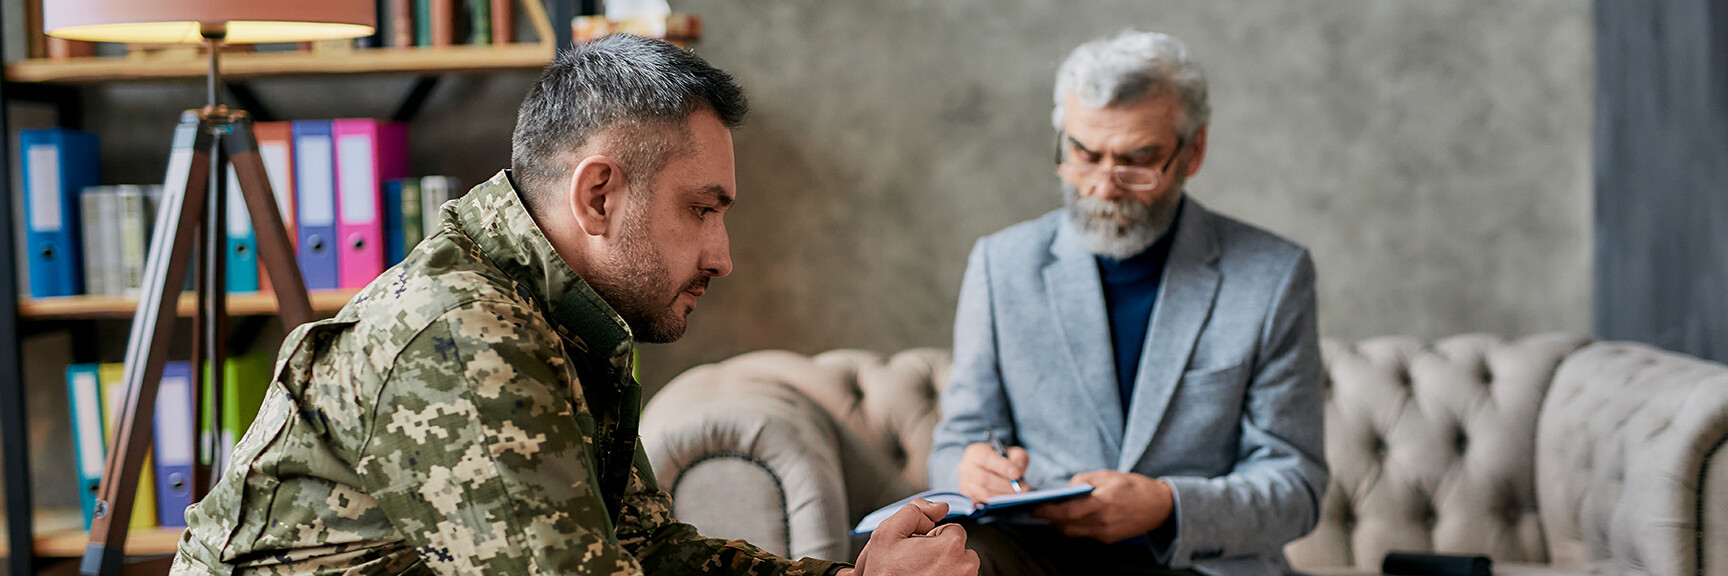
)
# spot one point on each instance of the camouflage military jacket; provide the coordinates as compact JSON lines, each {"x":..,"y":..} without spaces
{"x":470,"y":412}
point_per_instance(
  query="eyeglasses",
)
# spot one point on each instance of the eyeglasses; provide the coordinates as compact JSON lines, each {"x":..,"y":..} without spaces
{"x":1137,"y":178}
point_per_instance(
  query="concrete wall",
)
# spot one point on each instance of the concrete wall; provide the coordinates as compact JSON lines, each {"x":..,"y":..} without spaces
{"x":1434,"y":155}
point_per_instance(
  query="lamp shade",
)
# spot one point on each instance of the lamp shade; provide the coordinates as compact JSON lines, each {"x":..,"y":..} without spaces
{"x":180,"y":21}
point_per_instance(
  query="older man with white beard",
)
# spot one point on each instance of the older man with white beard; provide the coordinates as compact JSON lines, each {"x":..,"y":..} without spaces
{"x":1139,"y":342}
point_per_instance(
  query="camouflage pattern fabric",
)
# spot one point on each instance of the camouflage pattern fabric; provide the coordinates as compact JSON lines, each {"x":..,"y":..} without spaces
{"x":472,"y":411}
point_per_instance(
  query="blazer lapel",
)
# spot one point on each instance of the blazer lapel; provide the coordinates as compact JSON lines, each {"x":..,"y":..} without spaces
{"x":1184,"y":302}
{"x":1077,"y":298}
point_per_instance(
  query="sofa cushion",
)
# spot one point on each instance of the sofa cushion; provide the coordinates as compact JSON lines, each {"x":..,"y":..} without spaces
{"x":733,"y":491}
{"x":1431,"y":448}
{"x":747,"y":413}
{"x":1630,"y":465}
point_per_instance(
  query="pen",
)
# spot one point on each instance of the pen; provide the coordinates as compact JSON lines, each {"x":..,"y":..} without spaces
{"x":996,"y":443}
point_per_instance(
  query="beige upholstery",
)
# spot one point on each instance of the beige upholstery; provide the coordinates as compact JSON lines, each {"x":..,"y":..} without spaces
{"x":1550,"y":455}
{"x":1432,"y":448}
{"x":837,"y":435}
{"x":1631,"y":463}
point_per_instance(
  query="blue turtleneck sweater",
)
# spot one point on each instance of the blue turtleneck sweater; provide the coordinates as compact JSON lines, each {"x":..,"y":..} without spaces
{"x":1130,"y":293}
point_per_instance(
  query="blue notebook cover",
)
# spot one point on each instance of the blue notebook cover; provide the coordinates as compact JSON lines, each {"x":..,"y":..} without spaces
{"x":960,"y":506}
{"x":89,"y":447}
{"x":174,"y":435}
{"x":315,"y":203}
{"x":242,"y":265}
{"x":57,"y":164}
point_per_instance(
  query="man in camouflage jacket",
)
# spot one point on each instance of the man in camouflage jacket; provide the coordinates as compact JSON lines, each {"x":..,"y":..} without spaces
{"x":472,"y":411}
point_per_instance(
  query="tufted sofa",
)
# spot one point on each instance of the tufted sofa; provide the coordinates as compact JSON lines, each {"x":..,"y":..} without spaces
{"x":1551,"y":454}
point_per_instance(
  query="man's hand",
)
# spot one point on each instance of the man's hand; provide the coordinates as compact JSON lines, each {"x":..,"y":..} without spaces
{"x":910,"y":542}
{"x":1121,"y":506}
{"x":984,"y":473}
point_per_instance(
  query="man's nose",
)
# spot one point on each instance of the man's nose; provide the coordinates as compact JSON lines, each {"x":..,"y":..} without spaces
{"x":717,"y":259}
{"x":1104,"y":186}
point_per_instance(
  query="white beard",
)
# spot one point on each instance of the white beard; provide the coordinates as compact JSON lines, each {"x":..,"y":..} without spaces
{"x":1098,"y":222}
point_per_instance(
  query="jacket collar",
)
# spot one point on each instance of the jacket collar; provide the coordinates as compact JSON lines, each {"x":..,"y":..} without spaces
{"x":493,"y":215}
{"x":1185,"y":301}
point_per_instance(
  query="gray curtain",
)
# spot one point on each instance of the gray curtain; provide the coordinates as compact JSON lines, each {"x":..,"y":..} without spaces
{"x":1661,"y":162}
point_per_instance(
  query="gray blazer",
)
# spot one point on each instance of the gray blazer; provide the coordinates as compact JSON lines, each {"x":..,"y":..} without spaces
{"x":1227,"y":406}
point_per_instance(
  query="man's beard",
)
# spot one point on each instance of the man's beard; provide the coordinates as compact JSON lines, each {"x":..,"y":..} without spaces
{"x":635,"y":282}
{"x":1099,"y":222}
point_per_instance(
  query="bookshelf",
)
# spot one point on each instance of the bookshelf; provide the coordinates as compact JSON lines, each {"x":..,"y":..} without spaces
{"x":241,"y":65}
{"x":58,"y":534}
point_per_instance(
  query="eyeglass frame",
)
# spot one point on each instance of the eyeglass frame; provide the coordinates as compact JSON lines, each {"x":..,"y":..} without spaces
{"x":1116,"y":171}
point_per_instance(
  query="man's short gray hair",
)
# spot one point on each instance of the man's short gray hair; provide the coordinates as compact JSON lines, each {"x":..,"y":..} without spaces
{"x":1130,"y":66}
{"x":644,"y":88}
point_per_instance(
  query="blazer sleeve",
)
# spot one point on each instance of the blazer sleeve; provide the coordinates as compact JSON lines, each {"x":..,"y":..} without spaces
{"x":1273,"y":495}
{"x":974,"y":402}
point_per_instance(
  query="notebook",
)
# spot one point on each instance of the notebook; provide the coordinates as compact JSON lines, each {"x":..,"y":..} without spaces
{"x":960,"y":506}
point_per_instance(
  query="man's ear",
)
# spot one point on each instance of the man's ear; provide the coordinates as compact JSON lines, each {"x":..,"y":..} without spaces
{"x":596,"y":194}
{"x":1196,"y":152}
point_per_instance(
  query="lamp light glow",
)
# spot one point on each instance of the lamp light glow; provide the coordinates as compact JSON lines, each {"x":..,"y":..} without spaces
{"x":182,"y":21}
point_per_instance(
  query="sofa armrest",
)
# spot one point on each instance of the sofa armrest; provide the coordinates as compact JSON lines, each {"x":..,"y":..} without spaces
{"x":1631,"y":471}
{"x":746,"y":455}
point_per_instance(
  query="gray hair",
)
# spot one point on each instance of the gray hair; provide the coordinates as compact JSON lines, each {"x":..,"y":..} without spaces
{"x":1129,"y":67}
{"x":644,"y":88}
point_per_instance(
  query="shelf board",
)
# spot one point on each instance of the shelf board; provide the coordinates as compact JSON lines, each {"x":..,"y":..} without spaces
{"x":97,"y":307}
{"x":427,"y":60}
{"x":71,"y":543}
{"x":60,"y":534}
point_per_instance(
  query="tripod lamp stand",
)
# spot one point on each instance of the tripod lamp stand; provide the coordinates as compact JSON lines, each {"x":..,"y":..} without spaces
{"x":192,"y":213}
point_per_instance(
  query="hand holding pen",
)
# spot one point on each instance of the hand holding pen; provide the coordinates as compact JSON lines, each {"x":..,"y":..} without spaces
{"x":996,"y":444}
{"x":989,"y":469}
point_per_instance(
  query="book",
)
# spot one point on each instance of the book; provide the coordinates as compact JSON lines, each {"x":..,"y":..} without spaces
{"x":442,"y":22}
{"x":435,"y":191}
{"x":84,"y":397}
{"x":57,"y":164}
{"x":503,"y":21}
{"x":480,"y":22}
{"x":93,"y":203}
{"x":422,"y":22}
{"x":368,"y":154}
{"x":63,"y":49}
{"x":276,"y":150}
{"x":135,"y":215}
{"x":961,"y":506}
{"x":403,"y":225}
{"x":245,"y":380}
{"x":111,"y":245}
{"x":242,"y":265}
{"x":113,"y":402}
{"x":174,"y":436}
{"x":314,"y":165}
{"x":401,"y":24}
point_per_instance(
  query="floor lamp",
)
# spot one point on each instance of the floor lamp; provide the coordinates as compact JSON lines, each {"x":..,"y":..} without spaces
{"x":192,"y":213}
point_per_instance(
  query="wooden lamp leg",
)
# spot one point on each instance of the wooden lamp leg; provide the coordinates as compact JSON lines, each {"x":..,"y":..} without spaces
{"x":185,"y":196}
{"x":184,"y":193}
